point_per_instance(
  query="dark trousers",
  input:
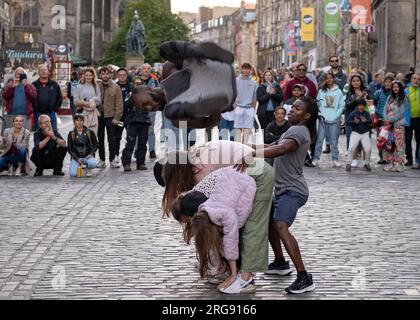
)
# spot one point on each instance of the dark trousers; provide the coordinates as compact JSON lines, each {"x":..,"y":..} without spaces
{"x":139,"y":132}
{"x":414,"y":126}
{"x":266,"y":119}
{"x":118,"y":136}
{"x":110,"y":132}
{"x":52,"y":160}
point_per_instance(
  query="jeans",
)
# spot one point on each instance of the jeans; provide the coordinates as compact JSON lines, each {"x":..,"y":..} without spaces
{"x":53,"y":117}
{"x":52,"y":160}
{"x":90,"y":163}
{"x":227,"y":131}
{"x":136,"y":132}
{"x":169,"y":135}
{"x":7,"y":160}
{"x":152,"y":137}
{"x":355,"y":140}
{"x":332,"y":131}
{"x":110,"y":131}
{"x":415,"y":126}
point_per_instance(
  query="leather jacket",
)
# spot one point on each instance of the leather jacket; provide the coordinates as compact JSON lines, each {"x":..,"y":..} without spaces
{"x":80,"y":146}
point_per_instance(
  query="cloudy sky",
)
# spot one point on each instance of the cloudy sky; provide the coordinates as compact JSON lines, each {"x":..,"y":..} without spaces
{"x":192,"y":5}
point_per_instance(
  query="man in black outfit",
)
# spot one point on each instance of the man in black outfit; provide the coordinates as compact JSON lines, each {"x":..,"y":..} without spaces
{"x":138,"y":123}
{"x":50,"y":148}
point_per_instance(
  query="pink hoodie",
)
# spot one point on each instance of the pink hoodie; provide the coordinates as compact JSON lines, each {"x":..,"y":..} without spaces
{"x":230,"y":205}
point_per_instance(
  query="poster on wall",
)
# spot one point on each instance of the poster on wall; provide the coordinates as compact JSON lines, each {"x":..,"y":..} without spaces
{"x":27,"y":58}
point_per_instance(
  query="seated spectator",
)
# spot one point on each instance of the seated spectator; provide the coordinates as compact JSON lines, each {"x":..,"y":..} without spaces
{"x":50,"y":148}
{"x":82,"y":144}
{"x":16,"y":140}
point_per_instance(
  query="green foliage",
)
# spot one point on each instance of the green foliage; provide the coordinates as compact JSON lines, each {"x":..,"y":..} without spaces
{"x":160,"y":26}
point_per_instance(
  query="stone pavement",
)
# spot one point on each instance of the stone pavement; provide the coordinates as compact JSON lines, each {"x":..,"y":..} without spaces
{"x":104,"y":238}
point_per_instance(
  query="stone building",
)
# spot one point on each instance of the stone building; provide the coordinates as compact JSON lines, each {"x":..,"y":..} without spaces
{"x":274,"y":16}
{"x":84,"y":25}
{"x":235,"y":32}
{"x":395,"y":43}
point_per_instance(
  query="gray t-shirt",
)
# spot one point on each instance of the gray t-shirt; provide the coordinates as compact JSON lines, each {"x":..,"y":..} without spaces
{"x":289,"y":168}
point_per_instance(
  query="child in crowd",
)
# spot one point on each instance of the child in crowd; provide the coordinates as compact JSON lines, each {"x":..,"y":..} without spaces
{"x":297,"y":93}
{"x":359,"y":121}
{"x":276,"y":129}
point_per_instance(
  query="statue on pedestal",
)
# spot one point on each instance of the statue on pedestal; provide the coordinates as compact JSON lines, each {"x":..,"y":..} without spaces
{"x":135,"y":36}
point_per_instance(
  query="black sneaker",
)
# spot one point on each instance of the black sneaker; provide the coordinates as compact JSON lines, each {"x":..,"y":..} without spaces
{"x":59,"y":173}
{"x":141,"y":167}
{"x":281,"y":269}
{"x":301,"y":285}
{"x":381,"y":162}
{"x":153,"y":155}
{"x":309,"y":164}
{"x":409,"y":164}
{"x":327,"y":150}
{"x":39,"y":173}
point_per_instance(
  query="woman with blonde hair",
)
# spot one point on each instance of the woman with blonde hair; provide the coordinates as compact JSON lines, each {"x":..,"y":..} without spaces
{"x":88,"y":99}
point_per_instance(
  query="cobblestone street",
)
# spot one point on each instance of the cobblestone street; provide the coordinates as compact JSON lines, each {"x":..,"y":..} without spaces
{"x":104,"y":238}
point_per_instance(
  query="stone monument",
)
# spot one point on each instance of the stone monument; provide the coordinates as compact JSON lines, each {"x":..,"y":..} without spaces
{"x":135,"y":43}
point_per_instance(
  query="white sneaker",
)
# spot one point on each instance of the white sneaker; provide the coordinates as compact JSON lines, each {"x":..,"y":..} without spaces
{"x":101,"y":164}
{"x":336,"y":164}
{"x":117,"y":159}
{"x":416,"y":166}
{"x":389,"y":168}
{"x":399,"y":167}
{"x":315,"y":162}
{"x":89,"y":173}
{"x":18,"y":172}
{"x":355,"y":163}
{"x":115,"y":164}
{"x":10,"y":173}
{"x":361,"y":163}
{"x":240,"y":286}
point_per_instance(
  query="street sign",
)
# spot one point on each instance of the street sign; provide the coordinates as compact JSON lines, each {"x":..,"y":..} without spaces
{"x":369,"y":28}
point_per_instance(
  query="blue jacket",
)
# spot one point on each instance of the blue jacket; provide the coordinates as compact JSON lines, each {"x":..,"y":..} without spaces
{"x":380,"y":98}
{"x":331,"y":113}
{"x":398,"y":109}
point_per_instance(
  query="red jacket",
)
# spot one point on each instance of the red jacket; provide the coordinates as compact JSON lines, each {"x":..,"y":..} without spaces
{"x":31,"y":95}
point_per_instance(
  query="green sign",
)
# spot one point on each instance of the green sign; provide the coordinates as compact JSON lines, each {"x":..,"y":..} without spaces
{"x":331,"y":17}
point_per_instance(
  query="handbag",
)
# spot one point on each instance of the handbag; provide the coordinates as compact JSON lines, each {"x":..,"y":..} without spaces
{"x":382,"y":139}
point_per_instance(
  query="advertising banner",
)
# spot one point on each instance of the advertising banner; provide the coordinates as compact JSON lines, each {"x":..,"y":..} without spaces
{"x":308,"y":24}
{"x":361,"y":14}
{"x":331,"y":17}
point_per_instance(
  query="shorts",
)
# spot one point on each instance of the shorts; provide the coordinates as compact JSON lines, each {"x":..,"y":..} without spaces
{"x":244,"y":118}
{"x":286,"y":205}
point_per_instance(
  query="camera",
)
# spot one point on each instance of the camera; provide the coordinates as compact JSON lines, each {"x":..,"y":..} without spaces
{"x":22,"y":77}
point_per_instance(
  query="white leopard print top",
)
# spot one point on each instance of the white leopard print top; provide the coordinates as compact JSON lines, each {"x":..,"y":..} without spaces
{"x":208,"y":184}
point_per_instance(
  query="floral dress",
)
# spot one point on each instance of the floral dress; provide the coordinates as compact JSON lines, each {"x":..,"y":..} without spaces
{"x":392,"y":114}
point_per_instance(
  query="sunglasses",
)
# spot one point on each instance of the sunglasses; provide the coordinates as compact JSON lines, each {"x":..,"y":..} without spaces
{"x":333,"y":60}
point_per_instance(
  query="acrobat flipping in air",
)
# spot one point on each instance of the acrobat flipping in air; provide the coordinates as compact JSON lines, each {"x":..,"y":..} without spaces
{"x":198,"y":84}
